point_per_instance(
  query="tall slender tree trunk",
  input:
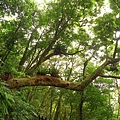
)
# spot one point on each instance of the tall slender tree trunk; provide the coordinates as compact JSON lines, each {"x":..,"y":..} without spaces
{"x":81,"y":106}
{"x":71,"y":108}
{"x":82,"y":92}
{"x":118,"y":89}
{"x":51,"y":103}
{"x":58,"y":108}
{"x":118,"y":102}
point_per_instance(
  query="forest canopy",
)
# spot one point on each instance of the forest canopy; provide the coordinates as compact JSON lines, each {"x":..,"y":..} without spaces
{"x":70,"y":44}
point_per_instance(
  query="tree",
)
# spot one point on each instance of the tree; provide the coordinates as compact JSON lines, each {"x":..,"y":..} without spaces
{"x":60,"y":29}
{"x":65,"y":35}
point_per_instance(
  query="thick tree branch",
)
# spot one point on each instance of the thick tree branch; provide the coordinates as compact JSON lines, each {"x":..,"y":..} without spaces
{"x":40,"y":81}
{"x":57,"y":82}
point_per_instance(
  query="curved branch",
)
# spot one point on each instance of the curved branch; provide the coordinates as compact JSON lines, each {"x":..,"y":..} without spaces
{"x":62,"y":53}
{"x":109,"y":76}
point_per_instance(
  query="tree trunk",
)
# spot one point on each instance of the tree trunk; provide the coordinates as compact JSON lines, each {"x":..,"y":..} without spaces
{"x":58,"y":108}
{"x":51,"y":103}
{"x":118,"y":102}
{"x":71,"y":108}
{"x":81,"y":106}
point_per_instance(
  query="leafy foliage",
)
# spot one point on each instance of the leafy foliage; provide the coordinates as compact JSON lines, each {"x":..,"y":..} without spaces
{"x":13,"y":105}
{"x":66,"y":37}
